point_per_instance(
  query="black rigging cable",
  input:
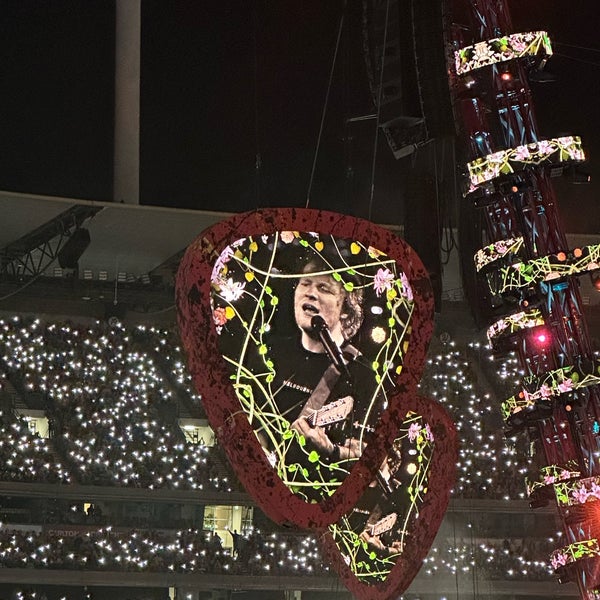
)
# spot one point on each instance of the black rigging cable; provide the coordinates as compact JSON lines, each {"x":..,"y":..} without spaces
{"x":379,"y":93}
{"x":580,"y":60}
{"x":258,"y":157}
{"x":335,"y":53}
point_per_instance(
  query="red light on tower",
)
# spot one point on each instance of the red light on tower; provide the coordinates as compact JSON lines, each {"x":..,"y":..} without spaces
{"x":541,"y":337}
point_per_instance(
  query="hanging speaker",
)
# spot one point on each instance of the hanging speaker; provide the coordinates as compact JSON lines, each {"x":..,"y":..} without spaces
{"x":71,"y":252}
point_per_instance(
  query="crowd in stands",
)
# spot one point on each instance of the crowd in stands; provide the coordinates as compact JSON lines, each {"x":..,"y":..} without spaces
{"x":111,"y":396}
{"x":183,"y":551}
{"x":111,"y":410}
{"x":256,"y":553}
{"x":525,"y":559}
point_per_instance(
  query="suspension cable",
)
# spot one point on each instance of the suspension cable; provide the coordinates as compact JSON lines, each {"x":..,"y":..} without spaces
{"x":335,"y":53}
{"x":379,"y":94}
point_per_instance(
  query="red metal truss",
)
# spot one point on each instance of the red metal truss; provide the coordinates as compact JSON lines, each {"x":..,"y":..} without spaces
{"x":495,"y":115}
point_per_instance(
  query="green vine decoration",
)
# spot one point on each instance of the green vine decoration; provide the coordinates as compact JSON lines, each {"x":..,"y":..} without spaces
{"x":550,"y":475}
{"x":574,"y":552}
{"x":552,"y":384}
{"x":514,"y":323}
{"x":496,"y":251}
{"x":547,"y":268}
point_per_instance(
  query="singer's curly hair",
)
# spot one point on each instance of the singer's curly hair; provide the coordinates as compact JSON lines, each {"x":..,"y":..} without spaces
{"x":352,"y":308}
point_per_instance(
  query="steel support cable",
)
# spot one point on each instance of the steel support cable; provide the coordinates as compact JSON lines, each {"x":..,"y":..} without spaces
{"x":335,"y":53}
{"x":587,"y":49}
{"x":379,"y":94}
{"x":258,"y":157}
{"x":579,"y":60}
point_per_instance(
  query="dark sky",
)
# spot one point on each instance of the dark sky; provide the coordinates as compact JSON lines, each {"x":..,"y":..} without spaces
{"x":222,"y":81}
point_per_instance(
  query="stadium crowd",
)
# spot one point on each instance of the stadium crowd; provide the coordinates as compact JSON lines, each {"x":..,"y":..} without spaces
{"x":111,"y":398}
{"x":111,"y":395}
{"x":256,"y":553}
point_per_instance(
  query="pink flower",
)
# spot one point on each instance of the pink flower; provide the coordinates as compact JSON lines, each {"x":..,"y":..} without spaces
{"x":545,"y":391}
{"x":580,"y":495}
{"x":407,"y":290}
{"x":545,"y":147}
{"x":595,"y":490}
{"x":522,"y":153}
{"x":287,"y":237}
{"x":518,"y":46}
{"x":548,"y":479}
{"x":219,"y":316}
{"x":565,"y":386}
{"x":220,"y":263}
{"x":428,"y":433}
{"x":413,"y":431}
{"x":383,"y":281}
{"x":501,"y":247}
{"x":558,"y":559}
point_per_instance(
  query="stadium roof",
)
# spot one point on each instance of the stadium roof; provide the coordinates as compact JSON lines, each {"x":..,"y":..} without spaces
{"x":126,"y":242}
{"x":124,"y":237}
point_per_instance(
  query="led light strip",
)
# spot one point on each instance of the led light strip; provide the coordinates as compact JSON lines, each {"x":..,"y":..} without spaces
{"x":514,"y":323}
{"x":550,"y":475}
{"x":496,"y":251}
{"x":574,"y":552}
{"x":504,"y":162}
{"x":548,"y":268}
{"x":551,"y":384}
{"x":498,"y":50}
{"x":571,"y":493}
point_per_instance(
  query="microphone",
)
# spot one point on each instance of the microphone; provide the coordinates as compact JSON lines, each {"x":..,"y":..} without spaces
{"x":332,"y":350}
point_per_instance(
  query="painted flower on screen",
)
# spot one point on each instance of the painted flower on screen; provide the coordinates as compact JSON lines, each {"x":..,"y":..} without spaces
{"x":383,"y":281}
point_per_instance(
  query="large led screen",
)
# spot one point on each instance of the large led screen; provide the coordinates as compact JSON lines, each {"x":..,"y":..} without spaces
{"x":306,"y":334}
{"x":313,"y":328}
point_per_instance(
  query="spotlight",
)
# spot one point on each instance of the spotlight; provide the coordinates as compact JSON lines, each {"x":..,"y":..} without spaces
{"x":541,"y":337}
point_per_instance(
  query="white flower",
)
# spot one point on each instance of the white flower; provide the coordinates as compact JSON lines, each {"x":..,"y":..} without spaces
{"x":231,"y":290}
{"x":220,"y":263}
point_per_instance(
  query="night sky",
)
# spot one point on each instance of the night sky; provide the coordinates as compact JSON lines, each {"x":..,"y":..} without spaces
{"x":224,"y":81}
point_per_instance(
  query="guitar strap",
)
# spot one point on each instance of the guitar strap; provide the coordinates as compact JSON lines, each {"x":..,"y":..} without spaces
{"x":323,"y":390}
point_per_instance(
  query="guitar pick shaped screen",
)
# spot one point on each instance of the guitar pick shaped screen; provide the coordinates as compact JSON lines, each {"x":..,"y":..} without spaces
{"x":313,"y":329}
